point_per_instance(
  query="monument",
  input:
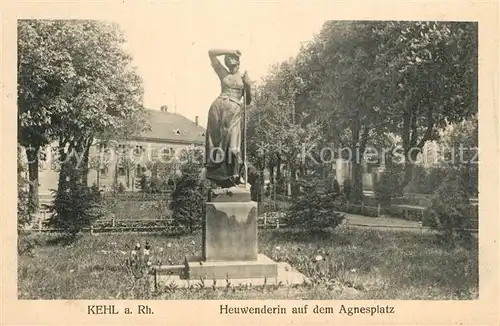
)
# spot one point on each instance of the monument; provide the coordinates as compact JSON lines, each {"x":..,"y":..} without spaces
{"x":230,"y":243}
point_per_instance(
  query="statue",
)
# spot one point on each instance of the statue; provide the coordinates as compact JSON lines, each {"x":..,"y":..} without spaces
{"x":224,"y":160}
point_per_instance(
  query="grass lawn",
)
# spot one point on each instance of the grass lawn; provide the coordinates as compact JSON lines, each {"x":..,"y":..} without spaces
{"x":357,"y":264}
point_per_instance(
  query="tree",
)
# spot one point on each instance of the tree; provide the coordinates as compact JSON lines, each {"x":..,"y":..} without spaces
{"x":75,"y":84}
{"x":408,"y":78}
{"x":343,"y":90}
{"x":355,"y":85}
{"x":431,"y":70}
{"x":277,"y":134}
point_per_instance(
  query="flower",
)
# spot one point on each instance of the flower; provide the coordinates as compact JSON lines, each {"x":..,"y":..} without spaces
{"x":146,"y":252}
{"x":148,"y":263}
{"x":318,"y":258}
{"x":71,"y":270}
{"x":123,"y":252}
{"x":133,"y":252}
{"x":192,"y":242}
{"x":278,"y":248}
{"x":160,"y":249}
{"x":353,"y":270}
{"x":169,"y":245}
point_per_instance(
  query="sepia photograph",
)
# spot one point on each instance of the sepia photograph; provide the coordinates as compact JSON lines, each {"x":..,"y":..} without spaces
{"x":211,"y":163}
{"x":345,"y":167}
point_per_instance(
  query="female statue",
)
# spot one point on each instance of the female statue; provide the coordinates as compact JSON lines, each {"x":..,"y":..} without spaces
{"x":223,"y":157}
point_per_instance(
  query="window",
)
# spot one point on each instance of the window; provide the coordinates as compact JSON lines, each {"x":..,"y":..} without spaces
{"x":140,"y":170}
{"x":138,"y":150}
{"x":121,"y":149}
{"x":43,"y":156}
{"x":121,"y":171}
{"x":166,"y":152}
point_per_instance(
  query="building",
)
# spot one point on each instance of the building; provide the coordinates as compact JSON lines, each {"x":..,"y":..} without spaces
{"x":170,"y":133}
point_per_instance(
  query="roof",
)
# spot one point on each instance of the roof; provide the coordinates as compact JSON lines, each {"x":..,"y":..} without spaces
{"x":173,"y":127}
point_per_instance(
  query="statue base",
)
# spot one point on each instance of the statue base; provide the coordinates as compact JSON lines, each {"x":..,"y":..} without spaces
{"x":262,"y":267}
{"x":229,"y":249}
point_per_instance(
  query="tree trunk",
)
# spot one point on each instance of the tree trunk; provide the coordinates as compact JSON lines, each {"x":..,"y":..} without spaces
{"x":85,"y":162}
{"x":357,"y":177}
{"x":295,"y":186}
{"x":278,"y":171}
{"x":410,"y":158}
{"x":62,"y":183}
{"x":33,"y":177}
{"x":271,"y":172}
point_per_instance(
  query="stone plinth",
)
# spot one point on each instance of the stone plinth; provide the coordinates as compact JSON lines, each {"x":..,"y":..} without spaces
{"x":168,"y":275}
{"x":262,"y":267}
{"x":229,"y":247}
{"x":230,"y":231}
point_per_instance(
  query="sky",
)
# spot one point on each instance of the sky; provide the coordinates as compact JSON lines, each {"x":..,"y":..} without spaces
{"x":170,"y":48}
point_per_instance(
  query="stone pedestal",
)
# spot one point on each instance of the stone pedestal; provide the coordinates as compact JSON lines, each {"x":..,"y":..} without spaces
{"x":230,"y":239}
{"x":230,"y":231}
{"x":261,"y":267}
{"x":229,"y":249}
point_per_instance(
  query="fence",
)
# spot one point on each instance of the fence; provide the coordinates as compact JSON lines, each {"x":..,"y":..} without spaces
{"x":145,"y":225}
{"x":408,"y":212}
{"x":165,"y":226}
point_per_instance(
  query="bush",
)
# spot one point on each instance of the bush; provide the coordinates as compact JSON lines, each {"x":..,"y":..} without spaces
{"x":425,"y":180}
{"x":419,"y":181}
{"x":316,"y":207}
{"x":347,"y":189}
{"x":121,"y":188}
{"x":143,"y":184}
{"x":450,"y":211}
{"x":389,"y":186}
{"x":76,"y":208}
{"x":188,"y":199}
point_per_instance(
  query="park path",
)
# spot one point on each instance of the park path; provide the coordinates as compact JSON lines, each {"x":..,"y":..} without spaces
{"x":387,"y":224}
{"x":383,"y":223}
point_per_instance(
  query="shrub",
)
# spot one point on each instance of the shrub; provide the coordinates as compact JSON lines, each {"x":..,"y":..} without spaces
{"x":435,"y":178}
{"x":76,"y":208}
{"x":419,"y":181}
{"x":347,"y":189}
{"x":425,"y":180}
{"x":450,"y":211}
{"x":143,"y":184}
{"x":188,"y":198}
{"x":121,"y":188}
{"x":388,"y":186}
{"x":316,"y":207}
{"x":156,"y":185}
